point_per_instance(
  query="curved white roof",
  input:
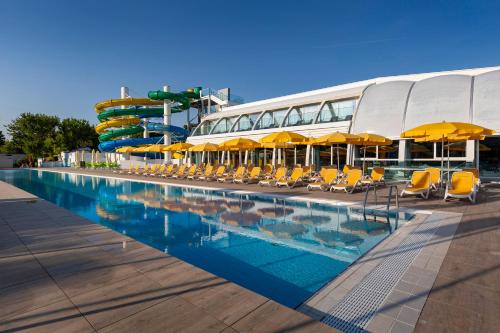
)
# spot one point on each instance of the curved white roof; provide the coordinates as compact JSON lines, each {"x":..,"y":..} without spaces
{"x":392,"y":107}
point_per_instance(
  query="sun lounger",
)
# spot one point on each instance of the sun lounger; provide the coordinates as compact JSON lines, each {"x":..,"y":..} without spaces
{"x":475,"y":172}
{"x":350,"y":183}
{"x":420,"y":184}
{"x":240,"y":171}
{"x":143,"y":171}
{"x":375,"y":178}
{"x":129,"y":171}
{"x":169,"y":171}
{"x":462,"y":186}
{"x":328,"y":177}
{"x":295,"y":179}
{"x":221,"y":169}
{"x":435,"y":177}
{"x":191,"y":172}
{"x":280,"y":173}
{"x":180,"y":172}
{"x":250,"y":178}
{"x":209,"y":170}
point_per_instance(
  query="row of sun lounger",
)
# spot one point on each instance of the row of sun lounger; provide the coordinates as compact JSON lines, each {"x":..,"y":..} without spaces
{"x":463,"y":184}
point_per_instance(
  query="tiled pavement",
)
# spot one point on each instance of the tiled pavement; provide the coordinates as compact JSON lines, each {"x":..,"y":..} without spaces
{"x":464,"y":297}
{"x":62,"y":273}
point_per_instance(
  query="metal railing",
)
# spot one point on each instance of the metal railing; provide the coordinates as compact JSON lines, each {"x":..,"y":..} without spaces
{"x":388,"y":204}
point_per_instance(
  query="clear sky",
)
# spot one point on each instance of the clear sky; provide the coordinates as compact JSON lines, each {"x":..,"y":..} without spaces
{"x":61,"y":57}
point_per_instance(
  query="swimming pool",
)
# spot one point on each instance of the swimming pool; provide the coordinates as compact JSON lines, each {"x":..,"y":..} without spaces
{"x":283,"y":249}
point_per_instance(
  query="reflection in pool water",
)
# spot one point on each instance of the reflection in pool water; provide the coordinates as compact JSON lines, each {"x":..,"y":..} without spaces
{"x":283,"y":249}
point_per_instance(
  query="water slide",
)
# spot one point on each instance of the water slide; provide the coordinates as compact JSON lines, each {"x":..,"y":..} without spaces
{"x":122,"y":118}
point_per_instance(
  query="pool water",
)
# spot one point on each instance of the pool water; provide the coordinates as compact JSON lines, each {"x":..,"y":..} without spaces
{"x":283,"y":249}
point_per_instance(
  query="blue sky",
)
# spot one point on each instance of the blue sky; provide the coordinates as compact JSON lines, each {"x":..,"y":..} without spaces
{"x":61,"y":57}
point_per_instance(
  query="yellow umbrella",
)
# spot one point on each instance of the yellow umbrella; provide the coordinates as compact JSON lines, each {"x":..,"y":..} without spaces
{"x":445,"y":128}
{"x":180,"y":146}
{"x":126,"y":149}
{"x":283,"y":137}
{"x":277,"y":145}
{"x":155,"y":148}
{"x":239,"y":144}
{"x":370,"y":139}
{"x":337,"y":138}
{"x":207,"y":146}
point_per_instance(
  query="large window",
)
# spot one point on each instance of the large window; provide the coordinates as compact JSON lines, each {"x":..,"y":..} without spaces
{"x":204,"y":128}
{"x":224,"y":125}
{"x":302,"y":115}
{"x":246,"y":122}
{"x":420,"y":150}
{"x":489,"y":157}
{"x":271,"y":119}
{"x":337,"y":111}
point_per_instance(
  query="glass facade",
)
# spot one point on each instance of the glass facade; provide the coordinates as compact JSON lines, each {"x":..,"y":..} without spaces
{"x":224,"y":125}
{"x":302,"y":115}
{"x":246,"y":122}
{"x":204,"y":128}
{"x":271,"y":119}
{"x":337,"y":111}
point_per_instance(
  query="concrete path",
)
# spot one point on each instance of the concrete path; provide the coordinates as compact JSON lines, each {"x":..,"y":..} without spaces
{"x":63,"y":273}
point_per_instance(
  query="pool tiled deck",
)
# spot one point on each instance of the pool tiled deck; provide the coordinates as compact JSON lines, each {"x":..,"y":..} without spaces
{"x":62,"y":273}
{"x":465,"y":295}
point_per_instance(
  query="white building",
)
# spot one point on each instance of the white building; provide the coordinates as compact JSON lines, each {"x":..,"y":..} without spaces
{"x":386,"y":106}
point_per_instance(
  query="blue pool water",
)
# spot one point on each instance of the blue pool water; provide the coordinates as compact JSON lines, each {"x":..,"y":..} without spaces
{"x":283,"y":249}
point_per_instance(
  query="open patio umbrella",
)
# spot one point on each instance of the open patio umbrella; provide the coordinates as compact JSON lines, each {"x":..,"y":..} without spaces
{"x":446,"y":131}
{"x":337,"y":138}
{"x":370,"y":139}
{"x":239,"y":144}
{"x":206,"y":147}
{"x":180,"y":146}
{"x":285,"y":137}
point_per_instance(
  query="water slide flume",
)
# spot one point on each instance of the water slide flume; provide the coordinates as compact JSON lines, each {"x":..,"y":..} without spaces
{"x":121,"y":118}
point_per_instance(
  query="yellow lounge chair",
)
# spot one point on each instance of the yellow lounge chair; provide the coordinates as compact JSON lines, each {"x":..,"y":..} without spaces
{"x":219,"y":173}
{"x":435,"y":177}
{"x":327,"y":179}
{"x":180,"y":172}
{"x":143,"y":171}
{"x":250,"y":178}
{"x":240,"y":172}
{"x":129,"y":171}
{"x":268,"y":171}
{"x":420,"y":184}
{"x":475,"y":172}
{"x":350,"y":183}
{"x":376,"y":177}
{"x":153,"y":170}
{"x":159,"y":170}
{"x":169,"y":171}
{"x":462,"y":186}
{"x":209,"y":170}
{"x":295,"y":179}
{"x":191,"y":172}
{"x":280,"y":173}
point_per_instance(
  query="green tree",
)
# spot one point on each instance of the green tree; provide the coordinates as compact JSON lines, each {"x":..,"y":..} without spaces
{"x":75,"y":133}
{"x":2,"y":138}
{"x":34,"y":134}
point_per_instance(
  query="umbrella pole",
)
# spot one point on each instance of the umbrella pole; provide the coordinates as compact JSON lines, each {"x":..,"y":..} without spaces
{"x":338,"y":157}
{"x":442,"y":160}
{"x":364,"y":158}
{"x":331,"y":155}
{"x":295,"y":155}
{"x":265,"y":153}
{"x":448,"y":162}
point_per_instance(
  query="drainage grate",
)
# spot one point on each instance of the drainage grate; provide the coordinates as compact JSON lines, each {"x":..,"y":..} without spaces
{"x":355,"y":310}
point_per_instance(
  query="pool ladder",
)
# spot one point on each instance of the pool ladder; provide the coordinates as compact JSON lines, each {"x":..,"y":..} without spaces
{"x":389,"y":201}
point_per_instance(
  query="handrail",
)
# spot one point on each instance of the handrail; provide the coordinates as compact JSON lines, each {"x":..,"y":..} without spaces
{"x":389,"y":200}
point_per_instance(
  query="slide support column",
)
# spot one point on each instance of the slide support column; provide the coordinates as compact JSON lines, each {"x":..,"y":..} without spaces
{"x":167,"y":120}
